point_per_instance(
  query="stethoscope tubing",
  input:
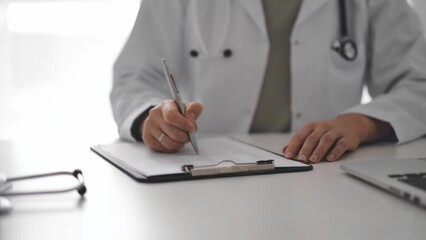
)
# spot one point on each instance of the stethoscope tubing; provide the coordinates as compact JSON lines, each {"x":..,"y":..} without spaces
{"x":345,"y":45}
{"x":344,"y":33}
{"x":80,"y":187}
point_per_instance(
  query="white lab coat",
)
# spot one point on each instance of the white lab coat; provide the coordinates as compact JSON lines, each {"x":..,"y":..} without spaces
{"x":391,"y":62}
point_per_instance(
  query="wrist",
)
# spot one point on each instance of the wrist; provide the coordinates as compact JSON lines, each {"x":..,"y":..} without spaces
{"x":370,"y":129}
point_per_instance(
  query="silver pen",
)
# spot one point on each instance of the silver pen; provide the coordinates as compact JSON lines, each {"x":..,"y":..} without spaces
{"x":175,"y":93}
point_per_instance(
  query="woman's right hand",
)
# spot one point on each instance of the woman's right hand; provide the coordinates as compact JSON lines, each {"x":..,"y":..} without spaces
{"x":165,"y":129}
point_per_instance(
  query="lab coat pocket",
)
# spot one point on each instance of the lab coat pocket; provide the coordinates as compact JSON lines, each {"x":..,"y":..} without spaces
{"x":341,"y":63}
{"x":346,"y":70}
{"x":345,"y":81}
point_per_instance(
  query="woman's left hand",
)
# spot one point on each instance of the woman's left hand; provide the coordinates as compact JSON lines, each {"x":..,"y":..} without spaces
{"x":329,"y":140}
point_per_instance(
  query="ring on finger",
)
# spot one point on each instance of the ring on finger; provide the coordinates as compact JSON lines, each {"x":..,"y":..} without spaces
{"x":161,"y":137}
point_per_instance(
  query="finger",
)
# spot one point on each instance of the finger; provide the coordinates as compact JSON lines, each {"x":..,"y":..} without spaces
{"x":154,"y":144}
{"x":285,"y":149}
{"x":167,"y":142}
{"x":147,"y":127}
{"x":175,"y":133}
{"x":155,"y":117}
{"x":193,"y":111}
{"x":151,"y":141}
{"x":310,"y":144}
{"x":296,"y":141}
{"x":338,"y":150}
{"x":325,"y":144}
{"x":154,"y":136}
{"x":172,"y":116}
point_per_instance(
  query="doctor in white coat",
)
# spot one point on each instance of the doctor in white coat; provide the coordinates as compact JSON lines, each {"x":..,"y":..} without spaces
{"x":218,"y":52}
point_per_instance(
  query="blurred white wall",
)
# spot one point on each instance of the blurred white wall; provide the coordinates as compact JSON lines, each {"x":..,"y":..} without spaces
{"x":4,"y":73}
{"x":56,"y":66}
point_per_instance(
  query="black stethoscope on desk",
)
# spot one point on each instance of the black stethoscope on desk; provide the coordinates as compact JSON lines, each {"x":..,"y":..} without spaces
{"x":345,"y":46}
{"x":6,"y":186}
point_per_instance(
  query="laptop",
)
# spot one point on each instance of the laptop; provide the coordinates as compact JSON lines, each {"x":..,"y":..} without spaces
{"x":405,"y":178}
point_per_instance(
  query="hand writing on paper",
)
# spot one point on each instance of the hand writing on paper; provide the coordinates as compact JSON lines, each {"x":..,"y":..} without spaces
{"x":329,"y":140}
{"x":165,"y":129}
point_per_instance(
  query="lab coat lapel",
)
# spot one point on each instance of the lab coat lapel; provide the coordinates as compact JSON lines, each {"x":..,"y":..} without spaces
{"x":212,"y":18}
{"x":255,"y":9}
{"x":307,"y":9}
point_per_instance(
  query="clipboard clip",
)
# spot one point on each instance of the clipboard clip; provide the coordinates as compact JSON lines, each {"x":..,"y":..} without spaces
{"x":216,"y":169}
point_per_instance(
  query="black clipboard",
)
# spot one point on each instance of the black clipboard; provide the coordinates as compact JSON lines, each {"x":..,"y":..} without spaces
{"x":194,"y":171}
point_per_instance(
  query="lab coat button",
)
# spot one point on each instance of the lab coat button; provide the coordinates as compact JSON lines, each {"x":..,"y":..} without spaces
{"x":193,"y":53}
{"x":296,"y":42}
{"x":298,"y":115}
{"x":227,"y":53}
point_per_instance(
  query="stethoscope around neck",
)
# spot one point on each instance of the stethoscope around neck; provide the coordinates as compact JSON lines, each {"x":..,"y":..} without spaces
{"x":345,"y":46}
{"x":6,"y":186}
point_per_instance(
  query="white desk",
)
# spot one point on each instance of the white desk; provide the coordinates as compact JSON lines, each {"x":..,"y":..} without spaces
{"x":321,"y":204}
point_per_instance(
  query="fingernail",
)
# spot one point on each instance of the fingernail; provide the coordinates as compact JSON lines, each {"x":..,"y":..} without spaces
{"x":301,"y":157}
{"x":313,"y":158}
{"x":288,"y":154}
{"x":330,"y":157}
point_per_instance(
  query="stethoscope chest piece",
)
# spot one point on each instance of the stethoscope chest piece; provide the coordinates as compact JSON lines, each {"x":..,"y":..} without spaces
{"x":346,"y":48}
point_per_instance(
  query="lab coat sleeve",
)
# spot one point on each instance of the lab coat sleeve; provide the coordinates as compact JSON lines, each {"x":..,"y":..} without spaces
{"x":396,"y":76}
{"x":138,"y":79}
